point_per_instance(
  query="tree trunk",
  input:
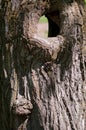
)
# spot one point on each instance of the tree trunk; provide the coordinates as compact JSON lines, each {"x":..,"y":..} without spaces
{"x":42,"y":81}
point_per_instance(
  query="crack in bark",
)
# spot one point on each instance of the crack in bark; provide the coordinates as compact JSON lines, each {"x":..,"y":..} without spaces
{"x":69,"y":115}
{"x":30,"y":58}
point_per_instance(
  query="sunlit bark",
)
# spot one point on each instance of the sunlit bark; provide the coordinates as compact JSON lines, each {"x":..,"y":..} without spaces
{"x":42,"y":81}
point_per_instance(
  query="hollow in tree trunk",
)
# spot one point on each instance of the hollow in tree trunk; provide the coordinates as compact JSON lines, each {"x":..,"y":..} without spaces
{"x":42,"y":81}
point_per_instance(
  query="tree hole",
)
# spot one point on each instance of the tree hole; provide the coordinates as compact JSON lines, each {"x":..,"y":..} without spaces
{"x":54,"y":23}
{"x":43,"y":27}
{"x":49,"y":25}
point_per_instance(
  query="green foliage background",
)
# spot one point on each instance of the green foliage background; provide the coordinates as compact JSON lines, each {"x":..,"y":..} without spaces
{"x":43,"y":19}
{"x":85,"y":1}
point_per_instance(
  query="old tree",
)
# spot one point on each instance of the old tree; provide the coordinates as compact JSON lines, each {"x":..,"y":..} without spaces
{"x":42,"y":81}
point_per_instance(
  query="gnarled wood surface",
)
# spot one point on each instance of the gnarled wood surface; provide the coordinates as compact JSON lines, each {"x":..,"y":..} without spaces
{"x":42,"y":81}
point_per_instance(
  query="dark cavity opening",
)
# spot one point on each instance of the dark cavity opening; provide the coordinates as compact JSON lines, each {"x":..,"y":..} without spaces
{"x":53,"y":24}
{"x":49,"y":25}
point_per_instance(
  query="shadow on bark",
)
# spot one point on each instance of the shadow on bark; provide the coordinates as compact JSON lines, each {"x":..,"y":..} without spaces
{"x":43,"y":80}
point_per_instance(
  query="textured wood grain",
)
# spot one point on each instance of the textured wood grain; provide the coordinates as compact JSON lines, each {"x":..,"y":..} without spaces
{"x":42,"y":80}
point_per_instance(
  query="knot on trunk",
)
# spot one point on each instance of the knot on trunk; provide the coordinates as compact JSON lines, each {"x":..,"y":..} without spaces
{"x":22,"y":106}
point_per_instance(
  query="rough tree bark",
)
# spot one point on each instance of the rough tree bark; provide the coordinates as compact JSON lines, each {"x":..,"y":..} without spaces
{"x":42,"y":81}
